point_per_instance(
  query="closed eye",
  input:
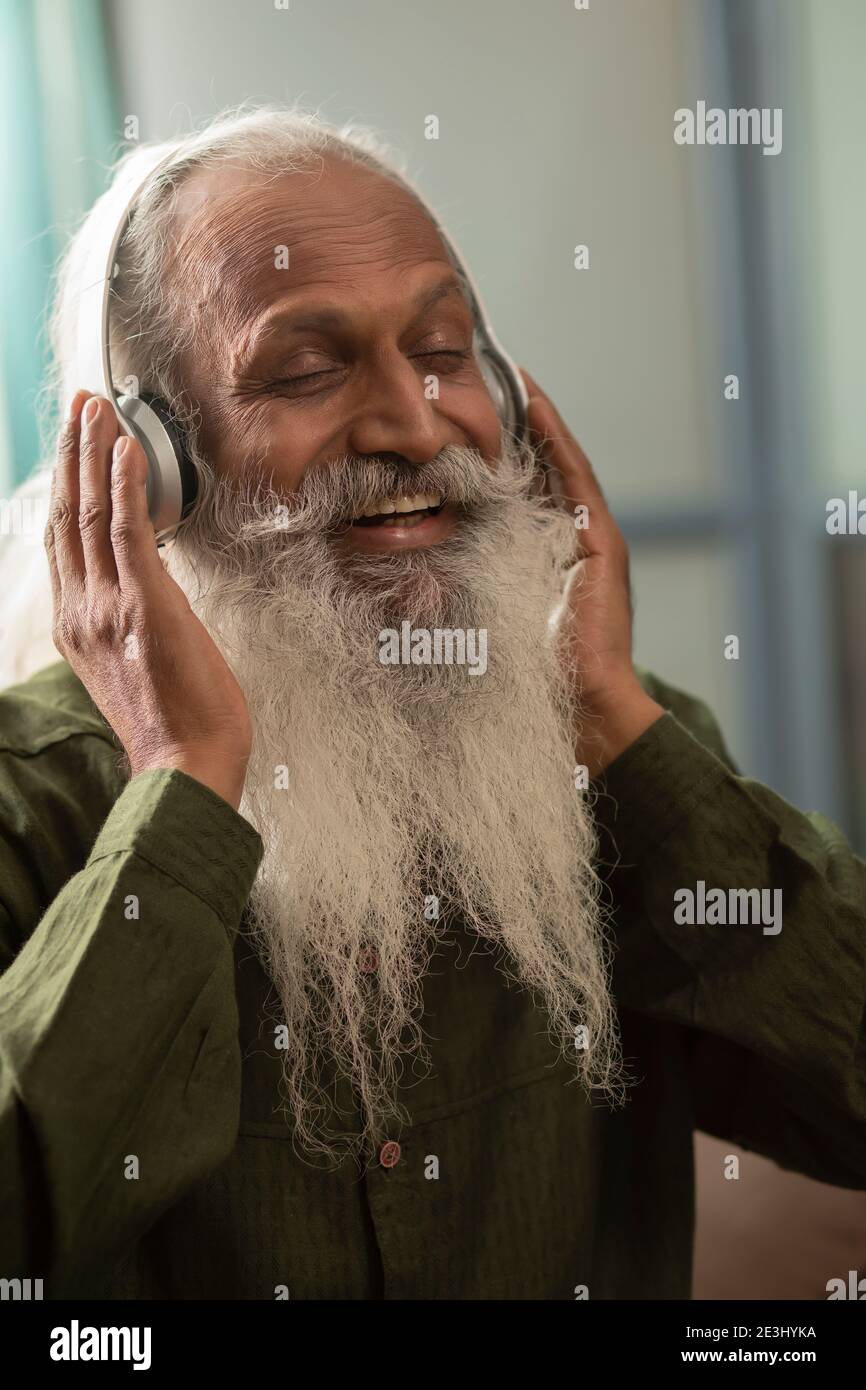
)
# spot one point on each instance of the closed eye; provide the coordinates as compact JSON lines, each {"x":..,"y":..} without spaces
{"x":455,"y":355}
{"x":274,"y":386}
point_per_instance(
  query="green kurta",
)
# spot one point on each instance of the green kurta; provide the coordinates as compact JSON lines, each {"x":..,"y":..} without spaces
{"x":151,"y":1038}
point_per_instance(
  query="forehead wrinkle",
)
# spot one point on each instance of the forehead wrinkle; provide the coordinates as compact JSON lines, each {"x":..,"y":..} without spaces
{"x":221,"y":252}
{"x":325,"y":251}
{"x":225,"y":226}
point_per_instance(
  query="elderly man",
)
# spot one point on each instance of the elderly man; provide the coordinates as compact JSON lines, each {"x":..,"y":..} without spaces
{"x":336,"y":976}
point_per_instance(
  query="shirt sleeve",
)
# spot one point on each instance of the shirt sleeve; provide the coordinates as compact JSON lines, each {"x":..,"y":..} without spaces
{"x":119,"y":1055}
{"x":777,"y":1016}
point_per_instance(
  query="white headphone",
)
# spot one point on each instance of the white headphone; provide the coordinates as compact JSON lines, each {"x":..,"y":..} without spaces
{"x":171,"y":477}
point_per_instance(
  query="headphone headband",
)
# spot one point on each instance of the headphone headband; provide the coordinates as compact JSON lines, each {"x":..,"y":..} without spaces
{"x":111,"y":218}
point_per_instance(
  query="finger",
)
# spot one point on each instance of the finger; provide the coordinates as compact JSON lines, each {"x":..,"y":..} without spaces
{"x":98,"y":433}
{"x":576,"y":485}
{"x":48,"y":540}
{"x":65,"y":538}
{"x":562,"y":447}
{"x":133,"y":538}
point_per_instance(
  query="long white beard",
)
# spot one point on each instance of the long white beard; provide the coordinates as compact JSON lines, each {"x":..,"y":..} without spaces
{"x":384,"y":794}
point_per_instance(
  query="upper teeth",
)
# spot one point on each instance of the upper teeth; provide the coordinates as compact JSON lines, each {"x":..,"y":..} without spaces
{"x":380,"y":506}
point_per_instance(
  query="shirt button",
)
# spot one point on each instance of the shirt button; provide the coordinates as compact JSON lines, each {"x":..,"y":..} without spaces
{"x":368,"y":960}
{"x":389,"y":1154}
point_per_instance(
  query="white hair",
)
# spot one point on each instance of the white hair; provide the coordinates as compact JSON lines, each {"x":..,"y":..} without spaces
{"x":378,"y":790}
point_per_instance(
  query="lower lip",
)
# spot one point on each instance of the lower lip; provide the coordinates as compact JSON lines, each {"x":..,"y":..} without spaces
{"x":410,"y":536}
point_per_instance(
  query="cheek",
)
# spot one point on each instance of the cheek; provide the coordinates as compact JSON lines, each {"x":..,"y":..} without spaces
{"x":476,"y":416}
{"x":262,"y":440}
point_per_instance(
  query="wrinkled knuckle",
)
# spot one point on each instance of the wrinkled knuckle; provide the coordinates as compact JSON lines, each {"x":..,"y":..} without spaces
{"x":89,"y":448}
{"x":66,"y":632}
{"x":67,"y":441}
{"x":91,"y":517}
{"x":61,"y":517}
{"x":127,"y":616}
{"x":122,"y":532}
{"x":101,"y":623}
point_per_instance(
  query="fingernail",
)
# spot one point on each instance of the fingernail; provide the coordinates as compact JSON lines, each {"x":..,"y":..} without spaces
{"x":73,"y":405}
{"x":120,"y":444}
{"x":91,"y":410}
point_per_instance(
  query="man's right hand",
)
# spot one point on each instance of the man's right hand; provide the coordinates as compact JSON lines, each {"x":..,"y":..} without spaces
{"x":123,"y":624}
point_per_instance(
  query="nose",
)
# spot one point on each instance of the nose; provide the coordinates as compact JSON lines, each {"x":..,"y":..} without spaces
{"x":396,"y":418}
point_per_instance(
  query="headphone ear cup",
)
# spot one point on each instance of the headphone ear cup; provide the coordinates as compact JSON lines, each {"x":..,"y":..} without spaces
{"x":186,"y":468}
{"x":172,"y":483}
{"x":498,"y":386}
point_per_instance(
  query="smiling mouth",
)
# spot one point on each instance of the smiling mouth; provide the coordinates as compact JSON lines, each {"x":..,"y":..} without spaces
{"x":404,"y":511}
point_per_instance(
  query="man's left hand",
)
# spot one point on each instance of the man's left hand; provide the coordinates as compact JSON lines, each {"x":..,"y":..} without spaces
{"x":595,"y":624}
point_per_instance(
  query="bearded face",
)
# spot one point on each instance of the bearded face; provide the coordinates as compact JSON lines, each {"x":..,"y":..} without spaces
{"x":397,"y":798}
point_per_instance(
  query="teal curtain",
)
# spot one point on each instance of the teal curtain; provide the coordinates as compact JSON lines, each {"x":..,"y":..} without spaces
{"x":58,"y":132}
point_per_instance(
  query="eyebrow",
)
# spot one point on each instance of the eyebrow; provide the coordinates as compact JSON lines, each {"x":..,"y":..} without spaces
{"x":286,"y":322}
